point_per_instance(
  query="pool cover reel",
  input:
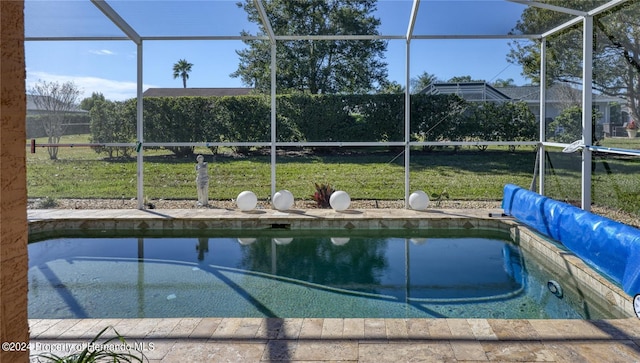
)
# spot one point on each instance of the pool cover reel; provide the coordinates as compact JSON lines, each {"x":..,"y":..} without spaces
{"x":610,"y":246}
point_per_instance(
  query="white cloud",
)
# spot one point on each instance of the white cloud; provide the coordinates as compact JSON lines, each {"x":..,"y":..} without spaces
{"x":112,"y":90}
{"x":102,"y":52}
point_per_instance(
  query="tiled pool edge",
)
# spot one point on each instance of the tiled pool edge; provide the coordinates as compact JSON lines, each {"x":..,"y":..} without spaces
{"x":175,"y":219}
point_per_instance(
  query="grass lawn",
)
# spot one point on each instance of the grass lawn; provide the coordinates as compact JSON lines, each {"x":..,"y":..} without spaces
{"x":466,"y":174}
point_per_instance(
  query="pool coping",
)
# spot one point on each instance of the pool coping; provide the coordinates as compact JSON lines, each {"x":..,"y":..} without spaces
{"x":52,"y":219}
{"x":291,"y":335}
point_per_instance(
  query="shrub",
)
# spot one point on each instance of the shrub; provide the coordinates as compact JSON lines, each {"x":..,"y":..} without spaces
{"x":113,"y":122}
{"x":567,"y":127}
{"x":322,"y":195}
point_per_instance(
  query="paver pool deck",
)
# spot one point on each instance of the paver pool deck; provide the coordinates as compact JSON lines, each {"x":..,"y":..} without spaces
{"x":195,"y":339}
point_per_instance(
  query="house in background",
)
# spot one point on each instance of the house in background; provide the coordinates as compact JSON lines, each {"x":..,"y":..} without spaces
{"x":76,"y":120}
{"x":470,"y":91}
{"x":34,"y":109}
{"x":196,"y":92}
{"x":611,"y":110}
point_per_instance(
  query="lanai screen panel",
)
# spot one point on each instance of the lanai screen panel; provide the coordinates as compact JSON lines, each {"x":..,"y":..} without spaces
{"x":616,"y":78}
{"x":470,"y":18}
{"x":66,"y":19}
{"x":156,"y":18}
{"x":212,"y":20}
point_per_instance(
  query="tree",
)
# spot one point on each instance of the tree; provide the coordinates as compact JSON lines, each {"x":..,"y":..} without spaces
{"x":616,"y":57}
{"x":87,"y":103}
{"x":182,"y":69}
{"x":315,"y":66}
{"x":392,"y":87}
{"x":509,"y":82}
{"x":56,"y":101}
{"x":423,"y":81}
{"x":464,"y":79}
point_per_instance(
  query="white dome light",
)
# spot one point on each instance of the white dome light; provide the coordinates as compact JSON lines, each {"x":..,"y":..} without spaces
{"x":419,"y":200}
{"x":340,"y":200}
{"x":283,"y":200}
{"x":246,"y":201}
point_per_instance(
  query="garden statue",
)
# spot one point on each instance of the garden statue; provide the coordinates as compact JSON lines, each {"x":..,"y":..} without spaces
{"x":202,"y":181}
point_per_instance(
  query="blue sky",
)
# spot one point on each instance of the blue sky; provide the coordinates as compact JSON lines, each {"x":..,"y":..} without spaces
{"x":110,"y":66}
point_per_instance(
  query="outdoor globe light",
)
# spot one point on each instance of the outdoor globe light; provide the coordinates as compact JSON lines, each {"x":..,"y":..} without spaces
{"x":282,"y":241}
{"x":283,"y":200}
{"x":339,"y":200}
{"x":339,"y":241}
{"x":419,"y":200}
{"x":246,"y":201}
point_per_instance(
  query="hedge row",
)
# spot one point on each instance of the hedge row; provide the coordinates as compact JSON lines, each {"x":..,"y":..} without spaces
{"x":311,"y":118}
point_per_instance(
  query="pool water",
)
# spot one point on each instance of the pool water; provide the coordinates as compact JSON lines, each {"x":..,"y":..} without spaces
{"x":292,"y":274}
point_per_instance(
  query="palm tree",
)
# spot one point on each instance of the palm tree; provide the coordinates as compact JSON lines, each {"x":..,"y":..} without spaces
{"x":182,"y":69}
{"x":423,"y":81}
{"x":504,"y":82}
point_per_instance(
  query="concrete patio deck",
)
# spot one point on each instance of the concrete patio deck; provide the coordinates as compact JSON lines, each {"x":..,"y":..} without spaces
{"x":355,"y":340}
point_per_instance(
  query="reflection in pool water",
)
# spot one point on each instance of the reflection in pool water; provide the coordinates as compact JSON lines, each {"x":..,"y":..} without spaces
{"x":287,"y":274}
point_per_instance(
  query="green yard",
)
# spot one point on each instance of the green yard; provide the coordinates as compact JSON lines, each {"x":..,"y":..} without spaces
{"x":465,"y":174}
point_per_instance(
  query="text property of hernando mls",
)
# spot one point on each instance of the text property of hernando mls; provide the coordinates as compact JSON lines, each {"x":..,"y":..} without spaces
{"x":74,"y":347}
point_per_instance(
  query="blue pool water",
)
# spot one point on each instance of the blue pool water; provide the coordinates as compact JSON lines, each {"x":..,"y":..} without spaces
{"x":325,"y":274}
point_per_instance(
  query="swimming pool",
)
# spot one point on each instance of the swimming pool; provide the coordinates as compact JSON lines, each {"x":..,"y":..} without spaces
{"x":415,"y":273}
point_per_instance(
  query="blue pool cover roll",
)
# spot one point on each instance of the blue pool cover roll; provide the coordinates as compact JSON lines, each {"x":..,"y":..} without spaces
{"x":610,"y":246}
